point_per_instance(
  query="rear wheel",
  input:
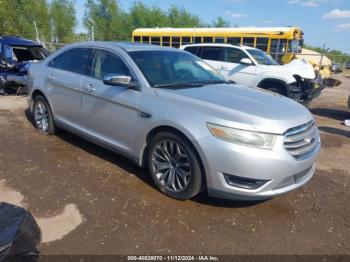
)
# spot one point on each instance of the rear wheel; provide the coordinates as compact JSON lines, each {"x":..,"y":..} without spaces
{"x":42,"y":116}
{"x":174,"y":166}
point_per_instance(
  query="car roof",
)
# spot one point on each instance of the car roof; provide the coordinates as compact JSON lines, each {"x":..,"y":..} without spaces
{"x":16,"y":41}
{"x":126,"y":46}
{"x":221,"y":45}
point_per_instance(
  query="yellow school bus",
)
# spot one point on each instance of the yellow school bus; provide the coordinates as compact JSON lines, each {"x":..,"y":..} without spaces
{"x":283,"y":43}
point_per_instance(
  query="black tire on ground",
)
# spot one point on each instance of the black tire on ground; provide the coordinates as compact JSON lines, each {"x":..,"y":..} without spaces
{"x":50,"y":130}
{"x":196,"y":179}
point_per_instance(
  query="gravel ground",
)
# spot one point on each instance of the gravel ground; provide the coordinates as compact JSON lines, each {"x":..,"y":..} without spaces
{"x":122,"y":213}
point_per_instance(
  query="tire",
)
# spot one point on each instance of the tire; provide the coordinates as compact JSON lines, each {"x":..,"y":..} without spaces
{"x":174,"y":166}
{"x":42,"y":116}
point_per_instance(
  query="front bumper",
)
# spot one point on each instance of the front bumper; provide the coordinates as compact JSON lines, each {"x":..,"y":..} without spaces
{"x":281,"y":170}
{"x":306,"y":90}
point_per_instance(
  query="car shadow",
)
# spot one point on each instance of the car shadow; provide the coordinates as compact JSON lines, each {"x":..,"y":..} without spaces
{"x":334,"y":131}
{"x":141,"y":173}
{"x":331,"y":113}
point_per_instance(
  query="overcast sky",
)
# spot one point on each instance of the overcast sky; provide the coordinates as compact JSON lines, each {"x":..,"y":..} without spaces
{"x":323,"y":21}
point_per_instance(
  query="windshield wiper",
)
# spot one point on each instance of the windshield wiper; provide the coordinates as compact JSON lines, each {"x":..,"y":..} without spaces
{"x":212,"y":82}
{"x":194,"y":84}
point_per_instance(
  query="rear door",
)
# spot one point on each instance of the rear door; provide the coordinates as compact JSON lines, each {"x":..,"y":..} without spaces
{"x":63,"y":81}
{"x":110,"y":112}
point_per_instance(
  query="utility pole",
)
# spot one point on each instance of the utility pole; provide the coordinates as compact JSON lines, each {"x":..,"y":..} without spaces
{"x":92,"y":33}
{"x":37,"y":33}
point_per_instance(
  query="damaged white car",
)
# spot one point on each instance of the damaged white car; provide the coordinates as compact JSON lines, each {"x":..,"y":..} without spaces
{"x":254,"y":68}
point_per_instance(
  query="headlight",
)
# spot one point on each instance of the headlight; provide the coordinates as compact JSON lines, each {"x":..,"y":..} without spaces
{"x":242,"y":137}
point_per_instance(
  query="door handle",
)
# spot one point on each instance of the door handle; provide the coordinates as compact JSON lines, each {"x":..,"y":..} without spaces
{"x":224,"y":68}
{"x":89,"y":88}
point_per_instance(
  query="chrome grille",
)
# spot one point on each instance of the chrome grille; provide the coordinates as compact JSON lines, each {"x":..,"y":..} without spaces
{"x":302,"y":140}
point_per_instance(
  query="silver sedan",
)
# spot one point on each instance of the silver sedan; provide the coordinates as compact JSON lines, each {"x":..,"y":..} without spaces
{"x":169,"y":111}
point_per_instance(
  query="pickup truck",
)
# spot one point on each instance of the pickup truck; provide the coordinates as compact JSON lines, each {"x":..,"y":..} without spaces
{"x":254,"y":68}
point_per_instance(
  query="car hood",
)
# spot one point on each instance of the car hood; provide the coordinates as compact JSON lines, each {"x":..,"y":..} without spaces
{"x":295,"y":67}
{"x":241,"y":107}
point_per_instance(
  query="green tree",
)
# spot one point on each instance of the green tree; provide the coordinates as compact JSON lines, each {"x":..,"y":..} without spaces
{"x":179,"y":17}
{"x":220,"y":22}
{"x":107,"y":20}
{"x":62,"y":13}
{"x":17,"y":18}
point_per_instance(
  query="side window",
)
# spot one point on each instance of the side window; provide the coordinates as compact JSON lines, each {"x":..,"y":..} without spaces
{"x":234,"y":55}
{"x":145,"y":39}
{"x":197,"y":39}
{"x":77,"y":60}
{"x":234,"y":40}
{"x":166,"y":41}
{"x":262,"y":43}
{"x":137,"y":39}
{"x":207,"y":39}
{"x":213,"y":53}
{"x":248,"y":41}
{"x":107,"y":63}
{"x":219,"y":39}
{"x":186,"y":40}
{"x":155,"y":40}
{"x":175,"y":41}
{"x":192,"y":49}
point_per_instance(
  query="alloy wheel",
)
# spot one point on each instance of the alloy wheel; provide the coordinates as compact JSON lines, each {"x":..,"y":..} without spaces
{"x":171,"y":165}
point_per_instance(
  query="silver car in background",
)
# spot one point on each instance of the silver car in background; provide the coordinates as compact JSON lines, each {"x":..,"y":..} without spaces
{"x":167,"y":110}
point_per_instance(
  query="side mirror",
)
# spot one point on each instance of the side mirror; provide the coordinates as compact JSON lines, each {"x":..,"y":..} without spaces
{"x":119,"y":80}
{"x":246,"y":61}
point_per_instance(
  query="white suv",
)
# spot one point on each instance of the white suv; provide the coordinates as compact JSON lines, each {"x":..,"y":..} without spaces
{"x":254,"y":68}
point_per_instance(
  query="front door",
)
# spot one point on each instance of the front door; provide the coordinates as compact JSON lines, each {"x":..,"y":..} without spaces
{"x":110,"y":112}
{"x":232,"y":69}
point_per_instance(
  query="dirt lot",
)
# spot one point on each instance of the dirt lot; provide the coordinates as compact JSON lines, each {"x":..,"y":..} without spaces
{"x":92,"y":201}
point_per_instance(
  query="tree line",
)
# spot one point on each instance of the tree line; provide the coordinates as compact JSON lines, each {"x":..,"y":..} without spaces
{"x":56,"y":21}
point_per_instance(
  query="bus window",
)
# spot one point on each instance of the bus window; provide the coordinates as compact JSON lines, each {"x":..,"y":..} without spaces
{"x":262,"y":43}
{"x":166,"y":40}
{"x":207,"y":39}
{"x":219,"y":40}
{"x":278,"y":45}
{"x":278,"y":49}
{"x":234,"y":40}
{"x":215,"y":53}
{"x":137,"y":39}
{"x":145,"y":39}
{"x":186,"y":40}
{"x":175,"y":41}
{"x":155,"y":40}
{"x":197,"y":39}
{"x":248,"y":41}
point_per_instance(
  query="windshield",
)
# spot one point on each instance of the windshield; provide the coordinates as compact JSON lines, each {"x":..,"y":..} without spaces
{"x":261,"y":57}
{"x":173,"y":68}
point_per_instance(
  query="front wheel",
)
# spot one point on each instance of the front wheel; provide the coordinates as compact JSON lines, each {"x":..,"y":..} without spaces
{"x":174,"y":166}
{"x":42,"y":116}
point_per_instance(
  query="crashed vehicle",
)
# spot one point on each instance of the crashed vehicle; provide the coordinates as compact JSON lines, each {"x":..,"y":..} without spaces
{"x":255,"y":68}
{"x":15,"y":56}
